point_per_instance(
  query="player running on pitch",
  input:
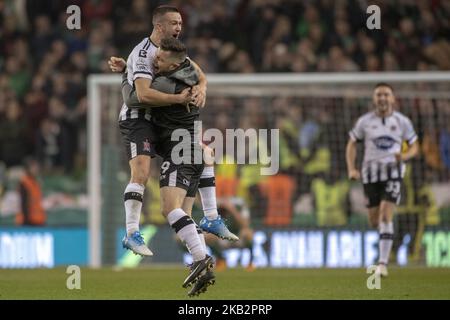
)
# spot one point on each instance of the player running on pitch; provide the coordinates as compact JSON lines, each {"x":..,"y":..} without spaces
{"x":383,"y":131}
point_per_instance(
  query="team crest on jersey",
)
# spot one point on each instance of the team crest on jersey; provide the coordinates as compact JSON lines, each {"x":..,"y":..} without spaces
{"x":393,"y":128}
{"x":384,"y":142}
{"x":146,"y":146}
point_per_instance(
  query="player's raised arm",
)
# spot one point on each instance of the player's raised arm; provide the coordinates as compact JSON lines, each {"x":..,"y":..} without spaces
{"x":199,"y":91}
{"x":117,"y":64}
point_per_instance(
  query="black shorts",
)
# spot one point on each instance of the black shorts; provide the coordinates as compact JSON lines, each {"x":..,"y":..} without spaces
{"x":138,"y":137}
{"x":389,"y":190}
{"x":185,"y":175}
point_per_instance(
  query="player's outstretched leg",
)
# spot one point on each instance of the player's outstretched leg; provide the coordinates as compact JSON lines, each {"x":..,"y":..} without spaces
{"x":201,"y":285}
{"x":197,"y":268}
{"x":218,"y":228}
{"x":135,"y":242}
{"x":211,"y":222}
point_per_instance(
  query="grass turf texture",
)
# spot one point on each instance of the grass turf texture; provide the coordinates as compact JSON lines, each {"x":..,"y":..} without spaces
{"x":234,"y":284}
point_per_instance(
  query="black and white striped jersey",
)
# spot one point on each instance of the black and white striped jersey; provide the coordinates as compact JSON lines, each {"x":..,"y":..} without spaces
{"x":139,"y":65}
{"x":383,"y":138}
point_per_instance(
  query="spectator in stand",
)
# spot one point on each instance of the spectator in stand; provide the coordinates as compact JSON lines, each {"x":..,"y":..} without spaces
{"x":31,"y":211}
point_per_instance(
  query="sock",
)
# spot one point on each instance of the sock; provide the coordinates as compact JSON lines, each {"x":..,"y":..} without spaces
{"x":207,"y":189}
{"x":133,"y":196}
{"x":201,"y":235}
{"x":386,"y":239}
{"x":186,"y":230}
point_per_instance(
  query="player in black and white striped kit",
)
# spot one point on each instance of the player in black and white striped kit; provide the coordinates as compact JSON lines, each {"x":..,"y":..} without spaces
{"x":383,"y":132}
{"x":137,"y":130}
{"x":134,"y":123}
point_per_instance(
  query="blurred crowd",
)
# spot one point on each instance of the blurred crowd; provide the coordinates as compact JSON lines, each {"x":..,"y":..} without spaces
{"x":44,"y":66}
{"x":312,"y":147}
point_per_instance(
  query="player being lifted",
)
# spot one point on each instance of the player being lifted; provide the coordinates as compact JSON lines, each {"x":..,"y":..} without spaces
{"x":137,"y":131}
{"x":383,"y":132}
{"x":178,"y":180}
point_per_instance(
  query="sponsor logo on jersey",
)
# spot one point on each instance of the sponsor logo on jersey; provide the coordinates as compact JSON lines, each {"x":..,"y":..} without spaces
{"x":393,"y":128}
{"x":141,"y":67}
{"x":186,"y":182}
{"x":384,"y":142}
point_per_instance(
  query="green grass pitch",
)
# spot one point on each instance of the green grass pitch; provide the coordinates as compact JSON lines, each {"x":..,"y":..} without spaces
{"x":234,"y":284}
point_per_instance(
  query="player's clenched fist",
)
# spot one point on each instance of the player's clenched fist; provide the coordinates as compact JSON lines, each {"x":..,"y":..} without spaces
{"x":185,"y":97}
{"x":117,"y":64}
{"x":354,"y":174}
{"x":199,"y":96}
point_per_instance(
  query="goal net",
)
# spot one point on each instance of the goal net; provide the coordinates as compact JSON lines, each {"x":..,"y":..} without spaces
{"x":308,"y":213}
